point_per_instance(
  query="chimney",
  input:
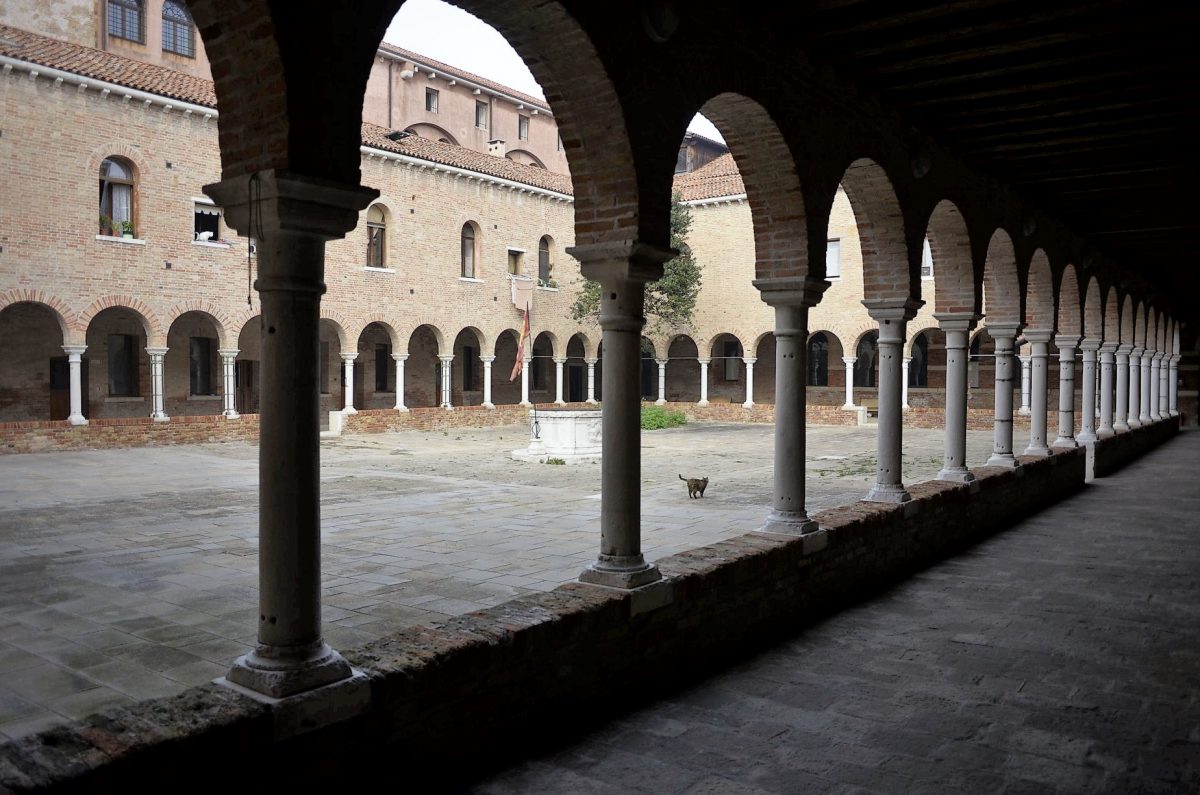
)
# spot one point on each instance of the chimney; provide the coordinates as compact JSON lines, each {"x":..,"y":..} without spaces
{"x":496,"y":148}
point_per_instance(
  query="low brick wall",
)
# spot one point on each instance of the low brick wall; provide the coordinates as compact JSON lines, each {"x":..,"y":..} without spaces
{"x":450,"y":699}
{"x":47,"y":436}
{"x":1109,"y":454}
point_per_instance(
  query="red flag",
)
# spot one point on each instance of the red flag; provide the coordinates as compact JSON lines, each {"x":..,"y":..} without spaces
{"x":519,"y":364}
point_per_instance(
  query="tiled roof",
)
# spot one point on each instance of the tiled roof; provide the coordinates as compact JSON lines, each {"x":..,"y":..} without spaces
{"x":447,"y":154}
{"x":100,"y":65}
{"x":454,"y":71}
{"x":714,"y":179}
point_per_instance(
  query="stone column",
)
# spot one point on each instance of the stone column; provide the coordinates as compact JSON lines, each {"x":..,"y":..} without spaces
{"x":1135,"y":387}
{"x":849,"y":362}
{"x":1121,"y":389}
{"x":749,"y":362}
{"x":528,"y":362}
{"x":1003,"y":334}
{"x":892,"y":315}
{"x":662,"y":381}
{"x":1026,"y":383}
{"x":293,"y":217}
{"x":447,"y":361}
{"x":487,"y":381}
{"x":74,"y":363}
{"x":1173,"y":386}
{"x":1066,"y":390}
{"x":1155,"y":388}
{"x":558,"y":381}
{"x":591,"y":380}
{"x":1087,"y":411}
{"x":1038,"y":354}
{"x":1144,"y":407}
{"x":348,"y":377}
{"x":1106,"y":390}
{"x":1164,"y":387}
{"x":157,"y":401}
{"x":956,"y":326}
{"x":400,"y":359}
{"x":904,"y":379}
{"x":622,"y":269}
{"x":229,"y":386}
{"x":791,"y":299}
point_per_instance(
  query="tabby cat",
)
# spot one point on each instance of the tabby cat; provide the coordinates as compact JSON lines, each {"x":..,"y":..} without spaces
{"x":695,"y":486}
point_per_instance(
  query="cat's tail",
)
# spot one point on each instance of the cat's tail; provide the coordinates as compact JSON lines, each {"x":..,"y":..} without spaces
{"x":681,"y":477}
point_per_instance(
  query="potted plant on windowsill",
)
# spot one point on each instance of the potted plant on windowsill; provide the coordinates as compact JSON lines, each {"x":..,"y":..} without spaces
{"x":127,"y":230}
{"x":106,"y":226}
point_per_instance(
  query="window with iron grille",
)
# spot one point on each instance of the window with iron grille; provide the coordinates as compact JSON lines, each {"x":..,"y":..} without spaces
{"x":376,"y":237}
{"x":431,"y":100}
{"x":481,"y":114}
{"x":126,"y":20}
{"x":523,"y":128}
{"x":178,"y":32}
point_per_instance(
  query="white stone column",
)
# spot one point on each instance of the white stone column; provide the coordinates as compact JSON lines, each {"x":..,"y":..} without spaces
{"x":622,"y":271}
{"x":1087,"y":411}
{"x":229,"y":384}
{"x":1173,"y":386}
{"x":892,"y":316}
{"x":1066,"y":390}
{"x":849,"y":362}
{"x":591,"y":380}
{"x":956,"y":327}
{"x":158,"y":411}
{"x":1026,"y":383}
{"x":400,"y":359}
{"x":703,"y":382}
{"x":1002,"y":444}
{"x":348,"y":378}
{"x":74,"y":363}
{"x":1121,"y":389}
{"x":1144,"y":407}
{"x":1038,"y":355}
{"x":791,"y":299}
{"x":749,"y":362}
{"x":1164,"y":387}
{"x":662,"y":381}
{"x":1135,"y":387}
{"x":904,"y":379}
{"x":1106,"y":428}
{"x":528,"y":362}
{"x":1155,"y":385}
{"x":487,"y":381}
{"x":447,"y":361}
{"x":294,"y":216}
{"x":558,"y":381}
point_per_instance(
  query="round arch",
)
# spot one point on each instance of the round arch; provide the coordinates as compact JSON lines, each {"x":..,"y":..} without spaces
{"x":954,"y":286}
{"x":1039,"y":294}
{"x":1001,"y":286}
{"x":1069,"y":314}
{"x":881,"y":233}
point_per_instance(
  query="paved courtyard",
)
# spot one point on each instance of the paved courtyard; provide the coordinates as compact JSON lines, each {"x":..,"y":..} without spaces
{"x":129,"y":574}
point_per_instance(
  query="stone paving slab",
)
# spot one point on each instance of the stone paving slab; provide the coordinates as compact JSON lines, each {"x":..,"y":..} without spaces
{"x":1061,"y":656}
{"x":127,"y":574}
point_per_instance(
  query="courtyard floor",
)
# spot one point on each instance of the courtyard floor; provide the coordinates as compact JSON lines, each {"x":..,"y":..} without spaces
{"x":131,"y":574}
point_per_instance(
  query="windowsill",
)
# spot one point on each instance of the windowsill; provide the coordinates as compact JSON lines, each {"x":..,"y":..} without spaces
{"x":124,"y":399}
{"x":548,"y":289}
{"x":470,"y":279}
{"x":136,"y":241}
{"x":373,"y":269}
{"x":203,"y":397}
{"x":209,"y":244}
{"x":926,"y":278}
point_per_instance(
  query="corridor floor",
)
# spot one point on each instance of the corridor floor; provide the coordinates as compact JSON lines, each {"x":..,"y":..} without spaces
{"x":1060,"y":656}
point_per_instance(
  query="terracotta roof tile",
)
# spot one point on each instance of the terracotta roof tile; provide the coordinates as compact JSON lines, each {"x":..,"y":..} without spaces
{"x":716,"y":178}
{"x":440,"y":67}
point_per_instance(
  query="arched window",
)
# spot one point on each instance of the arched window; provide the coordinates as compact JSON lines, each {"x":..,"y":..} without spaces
{"x":544,"y":262}
{"x":864,"y":362}
{"x":818,"y":360}
{"x":376,"y":237}
{"x":468,"y":250}
{"x":926,"y":260}
{"x":918,"y":368}
{"x":116,"y":197}
{"x":178,"y":32}
{"x":126,"y":20}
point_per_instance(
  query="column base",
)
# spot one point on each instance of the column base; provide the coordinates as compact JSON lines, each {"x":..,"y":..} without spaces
{"x":349,"y":410}
{"x":278,"y":672}
{"x":1006,"y":460}
{"x":524,"y":403}
{"x":447,"y":407}
{"x":1031,"y":450}
{"x":749,"y":404}
{"x":1104,"y":433}
{"x":1134,"y":424}
{"x":849,"y":406}
{"x":563,"y":403}
{"x":660,"y":402}
{"x":1120,"y":427}
{"x":1173,"y":413}
{"x":701,"y":402}
{"x":956,"y":475}
{"x":401,"y":408}
{"x":1065,"y":441}
{"x":888,"y":492}
{"x":1086,"y":437}
{"x":160,"y":418}
{"x":487,"y":404}
{"x":1145,"y":419}
{"x":796,"y":525}
{"x":621,"y":571}
{"x":231,"y":415}
{"x":1024,"y":412}
{"x":77,"y":419}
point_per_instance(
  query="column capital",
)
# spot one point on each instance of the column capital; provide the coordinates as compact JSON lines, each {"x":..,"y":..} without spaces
{"x":659,"y":362}
{"x":228,"y":353}
{"x":956,"y":321}
{"x":74,"y":350}
{"x":907,"y":359}
{"x":285,"y":201}
{"x":1108,"y":347}
{"x":592,"y":361}
{"x":999,"y":330}
{"x":157,"y":351}
{"x":1124,"y":349}
{"x":484,"y":359}
{"x":446,"y":357}
{"x":1175,"y":357}
{"x":749,"y":359}
{"x":349,"y":357}
{"x":560,"y":359}
{"x":791,"y":291}
{"x":626,"y":260}
{"x":849,"y":360}
{"x":1137,"y":350}
{"x":1089,"y":344}
{"x":1038,"y":335}
{"x":403,"y":357}
{"x":881,"y":309}
{"x":1067,"y":340}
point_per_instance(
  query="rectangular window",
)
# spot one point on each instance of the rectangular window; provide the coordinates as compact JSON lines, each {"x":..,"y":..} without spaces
{"x":383,"y":358}
{"x":514,"y":262}
{"x":833,"y":258}
{"x":207,"y":222}
{"x":926,"y":261}
{"x":733,"y":355}
{"x":523,"y":127}
{"x":481,"y":114}
{"x":125,"y":20}
{"x":122,"y":365}
{"x":324,"y":368}
{"x":200,"y":366}
{"x":469,"y":356}
{"x":431,"y":100}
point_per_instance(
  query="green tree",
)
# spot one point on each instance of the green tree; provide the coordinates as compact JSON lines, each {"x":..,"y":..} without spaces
{"x":671,"y":300}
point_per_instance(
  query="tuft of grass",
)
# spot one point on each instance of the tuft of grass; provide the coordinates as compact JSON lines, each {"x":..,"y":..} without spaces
{"x":556,"y":461}
{"x":656,"y":417}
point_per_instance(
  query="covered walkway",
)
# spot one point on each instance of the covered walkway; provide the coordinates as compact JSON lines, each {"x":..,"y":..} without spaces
{"x":1062,"y":655}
